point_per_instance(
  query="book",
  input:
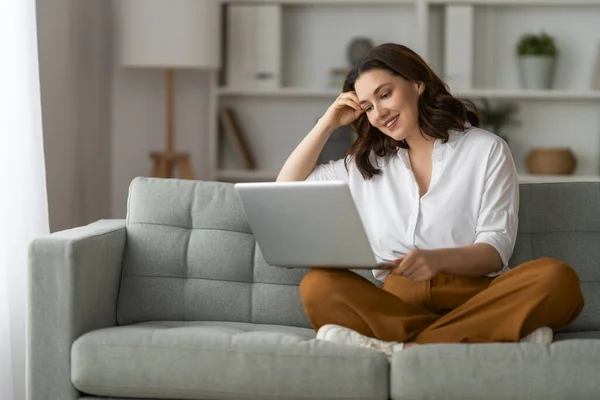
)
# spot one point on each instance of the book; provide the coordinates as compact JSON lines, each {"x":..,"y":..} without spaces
{"x":233,"y":133}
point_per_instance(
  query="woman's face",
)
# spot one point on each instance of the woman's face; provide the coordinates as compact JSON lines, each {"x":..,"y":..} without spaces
{"x":390,"y":102}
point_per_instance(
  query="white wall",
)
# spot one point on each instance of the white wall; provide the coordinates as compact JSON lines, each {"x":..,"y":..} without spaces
{"x":311,"y":47}
{"x":93,"y":30}
{"x":100,"y":121}
{"x":58,"y":89}
{"x":138,"y":125}
{"x":73,"y":40}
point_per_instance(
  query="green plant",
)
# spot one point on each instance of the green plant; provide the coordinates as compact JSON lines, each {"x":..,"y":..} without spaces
{"x":495,"y":118}
{"x":534,"y":44}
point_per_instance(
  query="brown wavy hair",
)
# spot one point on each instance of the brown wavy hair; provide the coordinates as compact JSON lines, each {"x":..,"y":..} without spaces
{"x":439,"y":111}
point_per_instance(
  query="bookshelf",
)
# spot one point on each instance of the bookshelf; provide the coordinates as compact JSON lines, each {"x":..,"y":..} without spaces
{"x":314,"y":36}
{"x":591,"y":95}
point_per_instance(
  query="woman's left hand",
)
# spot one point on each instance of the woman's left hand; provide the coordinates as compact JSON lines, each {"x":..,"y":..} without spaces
{"x":419,"y":265}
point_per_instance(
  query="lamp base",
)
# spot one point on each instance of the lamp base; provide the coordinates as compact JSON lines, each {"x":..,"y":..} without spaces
{"x":166,"y":163}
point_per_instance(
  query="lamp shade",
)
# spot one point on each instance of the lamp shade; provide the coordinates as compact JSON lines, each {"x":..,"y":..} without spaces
{"x":169,"y":33}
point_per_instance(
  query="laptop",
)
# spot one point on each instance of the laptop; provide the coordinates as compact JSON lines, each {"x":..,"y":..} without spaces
{"x":308,"y":225}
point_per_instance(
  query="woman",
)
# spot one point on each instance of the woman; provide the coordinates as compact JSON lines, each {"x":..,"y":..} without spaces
{"x":438,"y":196}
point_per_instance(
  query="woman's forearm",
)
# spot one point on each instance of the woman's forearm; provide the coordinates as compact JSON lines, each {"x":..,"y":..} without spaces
{"x":477,"y":259}
{"x":304,"y":158}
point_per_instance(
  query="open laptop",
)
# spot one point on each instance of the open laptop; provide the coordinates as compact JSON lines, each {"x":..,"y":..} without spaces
{"x":308,"y":224}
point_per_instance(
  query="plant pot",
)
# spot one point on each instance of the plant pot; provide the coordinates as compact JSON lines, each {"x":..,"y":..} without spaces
{"x":551,"y":161}
{"x":537,"y":72}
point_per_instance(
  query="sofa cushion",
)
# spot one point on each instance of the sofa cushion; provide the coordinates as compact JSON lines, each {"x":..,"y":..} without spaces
{"x":562,"y":220}
{"x":223,"y":360}
{"x":191,"y":256}
{"x":567,"y":369}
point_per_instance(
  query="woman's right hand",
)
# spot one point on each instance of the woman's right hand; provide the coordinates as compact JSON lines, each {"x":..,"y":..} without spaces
{"x":344,"y":110}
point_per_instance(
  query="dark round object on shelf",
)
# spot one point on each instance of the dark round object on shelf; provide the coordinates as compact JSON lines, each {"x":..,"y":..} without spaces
{"x":357,"y":48}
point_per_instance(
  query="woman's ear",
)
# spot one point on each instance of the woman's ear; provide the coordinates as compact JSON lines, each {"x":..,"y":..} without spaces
{"x":420,"y":87}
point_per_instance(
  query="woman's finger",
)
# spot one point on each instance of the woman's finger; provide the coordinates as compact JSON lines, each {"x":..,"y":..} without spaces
{"x":411,"y":271}
{"x":350,"y":104}
{"x":406,"y":263}
{"x":352,"y":96}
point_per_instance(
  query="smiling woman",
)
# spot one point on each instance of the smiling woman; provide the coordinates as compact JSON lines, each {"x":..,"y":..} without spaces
{"x":439,"y":197}
{"x":408,"y":98}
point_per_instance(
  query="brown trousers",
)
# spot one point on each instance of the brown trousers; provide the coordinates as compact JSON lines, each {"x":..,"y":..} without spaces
{"x":448,"y":308}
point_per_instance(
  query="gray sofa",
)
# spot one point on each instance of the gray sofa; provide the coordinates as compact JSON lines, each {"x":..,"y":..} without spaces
{"x":176,"y":302}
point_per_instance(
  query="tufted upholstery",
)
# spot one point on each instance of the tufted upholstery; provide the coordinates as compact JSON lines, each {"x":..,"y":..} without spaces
{"x":191,"y":256}
{"x":562,"y":220}
{"x":210,"y":313}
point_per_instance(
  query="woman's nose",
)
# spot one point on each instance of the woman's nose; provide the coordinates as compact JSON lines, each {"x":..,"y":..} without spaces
{"x":382,"y":114}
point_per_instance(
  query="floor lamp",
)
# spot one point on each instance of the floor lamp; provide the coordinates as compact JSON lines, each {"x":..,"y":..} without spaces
{"x":171,"y":35}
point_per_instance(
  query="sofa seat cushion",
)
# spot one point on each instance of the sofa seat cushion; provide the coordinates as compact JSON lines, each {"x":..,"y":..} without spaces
{"x":566,"y":369}
{"x":223,"y":360}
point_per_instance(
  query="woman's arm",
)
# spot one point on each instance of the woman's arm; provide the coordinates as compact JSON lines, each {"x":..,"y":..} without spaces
{"x":473,"y":260}
{"x":304,"y":158}
{"x":477,"y":259}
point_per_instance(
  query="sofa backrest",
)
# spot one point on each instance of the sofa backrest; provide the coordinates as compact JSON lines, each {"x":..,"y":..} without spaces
{"x":191,"y":255}
{"x":562,"y":221}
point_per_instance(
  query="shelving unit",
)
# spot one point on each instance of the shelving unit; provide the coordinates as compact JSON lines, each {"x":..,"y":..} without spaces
{"x":314,"y":35}
{"x":526,"y":178}
{"x":283,"y":92}
{"x":475,"y":93}
{"x":257,"y":176}
{"x":568,"y":3}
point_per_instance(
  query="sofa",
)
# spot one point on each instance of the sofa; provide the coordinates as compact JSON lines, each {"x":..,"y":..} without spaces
{"x":176,"y":302}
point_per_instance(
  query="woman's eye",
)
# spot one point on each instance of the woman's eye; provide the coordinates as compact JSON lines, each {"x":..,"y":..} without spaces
{"x":385,"y":95}
{"x":368,"y":109}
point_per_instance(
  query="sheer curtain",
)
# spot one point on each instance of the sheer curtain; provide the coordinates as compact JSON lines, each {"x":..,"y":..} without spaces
{"x":23,"y":199}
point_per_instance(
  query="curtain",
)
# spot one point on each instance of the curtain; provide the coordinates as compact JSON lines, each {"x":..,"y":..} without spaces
{"x":23,"y":198}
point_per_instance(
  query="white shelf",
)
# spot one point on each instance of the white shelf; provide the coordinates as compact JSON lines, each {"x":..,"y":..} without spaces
{"x":324,"y":2}
{"x":566,"y":3}
{"x":283,"y":92}
{"x":497,"y":25}
{"x":261,"y":175}
{"x":530,"y":94}
{"x":526,"y":178}
{"x":246,"y":175}
{"x":475,"y":93}
{"x":400,"y":2}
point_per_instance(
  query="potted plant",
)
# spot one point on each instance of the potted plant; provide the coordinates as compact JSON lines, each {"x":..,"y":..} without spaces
{"x":495,"y":118}
{"x":537,"y":54}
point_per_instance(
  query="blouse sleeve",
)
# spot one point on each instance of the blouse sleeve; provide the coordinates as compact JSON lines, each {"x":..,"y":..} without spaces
{"x":331,"y":171}
{"x":498,"y":218}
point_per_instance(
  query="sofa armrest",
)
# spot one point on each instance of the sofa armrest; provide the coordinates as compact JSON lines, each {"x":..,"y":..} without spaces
{"x":74,"y":278}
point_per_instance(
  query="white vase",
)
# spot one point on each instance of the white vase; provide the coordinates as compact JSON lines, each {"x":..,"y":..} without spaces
{"x":537,"y":72}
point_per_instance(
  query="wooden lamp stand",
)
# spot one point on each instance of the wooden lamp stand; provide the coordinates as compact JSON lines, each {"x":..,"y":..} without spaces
{"x":165,"y":163}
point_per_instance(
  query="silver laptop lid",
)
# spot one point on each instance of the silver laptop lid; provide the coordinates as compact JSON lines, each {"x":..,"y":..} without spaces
{"x":306,"y":224}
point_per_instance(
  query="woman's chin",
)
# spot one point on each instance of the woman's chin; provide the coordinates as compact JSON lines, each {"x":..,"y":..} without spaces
{"x":397,"y":135}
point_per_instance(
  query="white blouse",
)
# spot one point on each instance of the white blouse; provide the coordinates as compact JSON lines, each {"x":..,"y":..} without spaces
{"x":473,"y":197}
